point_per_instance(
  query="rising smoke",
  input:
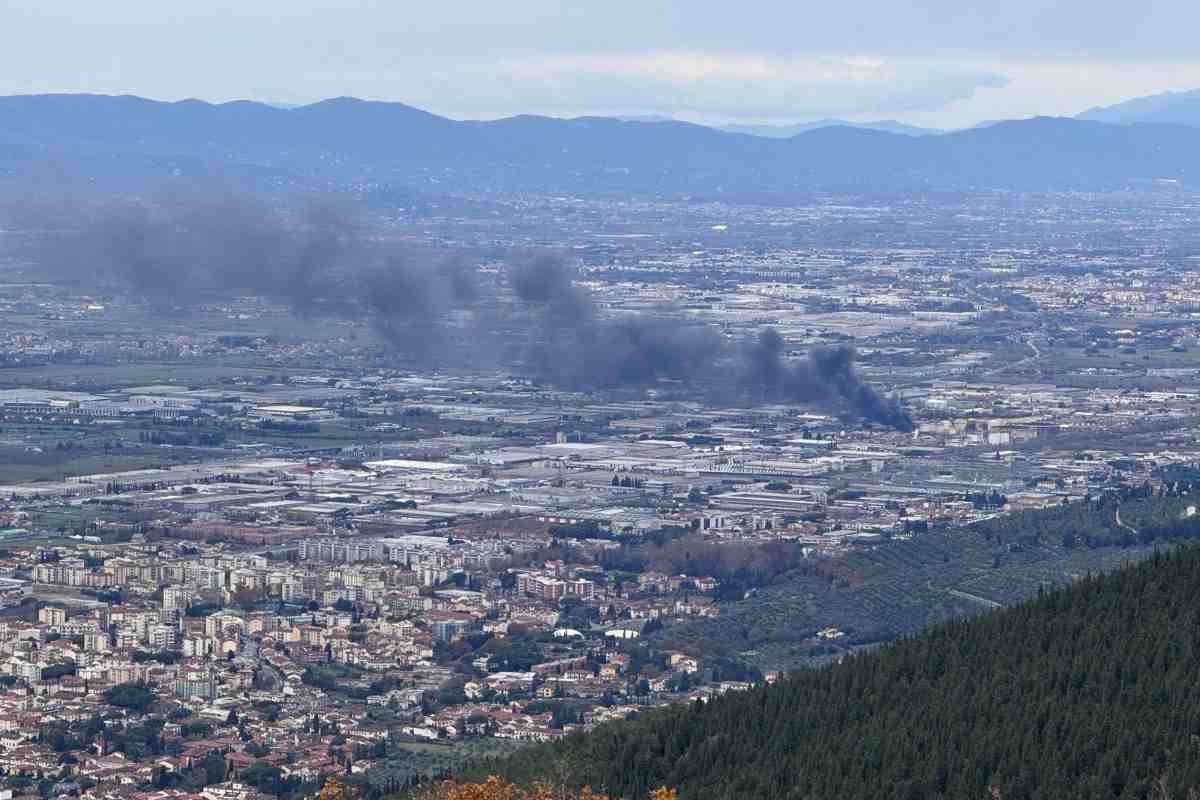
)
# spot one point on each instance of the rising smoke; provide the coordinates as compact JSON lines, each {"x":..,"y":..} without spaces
{"x":825,"y":374}
{"x":178,"y":249}
{"x":577,"y":348}
{"x":316,"y":258}
{"x":412,"y":300}
{"x":572,"y":346}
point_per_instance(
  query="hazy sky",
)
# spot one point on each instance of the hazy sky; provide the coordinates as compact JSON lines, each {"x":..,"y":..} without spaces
{"x":938,"y":62}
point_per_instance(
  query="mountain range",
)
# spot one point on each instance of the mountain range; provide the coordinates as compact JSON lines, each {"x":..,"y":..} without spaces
{"x":395,"y":153}
{"x":786,"y":131}
{"x":1180,"y":108}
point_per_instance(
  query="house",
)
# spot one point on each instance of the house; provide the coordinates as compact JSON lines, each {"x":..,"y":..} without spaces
{"x":684,"y":663}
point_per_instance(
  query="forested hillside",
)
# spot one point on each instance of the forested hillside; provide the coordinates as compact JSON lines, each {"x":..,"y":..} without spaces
{"x":899,"y":587}
{"x":1089,"y":691}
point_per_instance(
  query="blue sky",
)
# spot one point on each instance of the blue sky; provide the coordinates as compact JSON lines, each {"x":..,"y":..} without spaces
{"x":937,"y":63}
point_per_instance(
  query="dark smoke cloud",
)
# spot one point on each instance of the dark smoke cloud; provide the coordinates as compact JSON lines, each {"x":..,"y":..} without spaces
{"x":177,"y":249}
{"x":544,"y":279}
{"x":547,"y":284}
{"x":315,"y":258}
{"x":412,"y":298}
{"x":826,"y":375}
{"x":329,"y":236}
{"x":637,"y":351}
{"x":576,"y":348}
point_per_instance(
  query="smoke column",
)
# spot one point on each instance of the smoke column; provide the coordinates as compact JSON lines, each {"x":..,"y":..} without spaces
{"x":825,"y":375}
{"x":315,"y":258}
{"x":176,"y":249}
{"x":576,"y":348}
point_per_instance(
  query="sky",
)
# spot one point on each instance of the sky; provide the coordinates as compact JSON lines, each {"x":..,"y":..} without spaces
{"x":940,"y":63}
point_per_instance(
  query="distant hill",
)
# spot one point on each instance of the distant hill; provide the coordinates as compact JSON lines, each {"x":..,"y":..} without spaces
{"x":787,"y":131}
{"x":646,"y":118}
{"x":394,"y":150}
{"x":1083,"y":692}
{"x":1180,"y":108}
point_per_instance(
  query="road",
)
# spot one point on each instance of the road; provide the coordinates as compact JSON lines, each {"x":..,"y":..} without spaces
{"x":250,"y":657}
{"x":974,"y":598}
{"x":1037,"y":354}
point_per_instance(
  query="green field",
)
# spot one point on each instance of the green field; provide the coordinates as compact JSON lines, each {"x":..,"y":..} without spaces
{"x":19,"y":466}
{"x":100,"y":377}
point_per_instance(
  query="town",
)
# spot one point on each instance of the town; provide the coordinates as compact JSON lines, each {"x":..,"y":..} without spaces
{"x":241,"y":552}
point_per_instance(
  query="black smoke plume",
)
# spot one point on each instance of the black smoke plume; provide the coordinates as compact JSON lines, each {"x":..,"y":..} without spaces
{"x":572,"y":346}
{"x":180,"y":249}
{"x":577,"y":348}
{"x":316,"y":258}
{"x":826,"y":375}
{"x":413,"y":298}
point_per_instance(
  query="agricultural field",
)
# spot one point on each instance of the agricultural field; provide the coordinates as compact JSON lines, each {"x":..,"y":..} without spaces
{"x":891,"y":590}
{"x":18,"y":465}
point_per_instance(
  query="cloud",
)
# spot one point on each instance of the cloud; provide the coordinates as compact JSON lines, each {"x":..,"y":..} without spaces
{"x":938,"y":62}
{"x":1062,"y":88}
{"x":706,"y":85}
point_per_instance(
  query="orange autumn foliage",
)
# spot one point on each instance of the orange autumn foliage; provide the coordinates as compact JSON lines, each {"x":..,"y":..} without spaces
{"x":496,"y":789}
{"x":336,"y":790}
